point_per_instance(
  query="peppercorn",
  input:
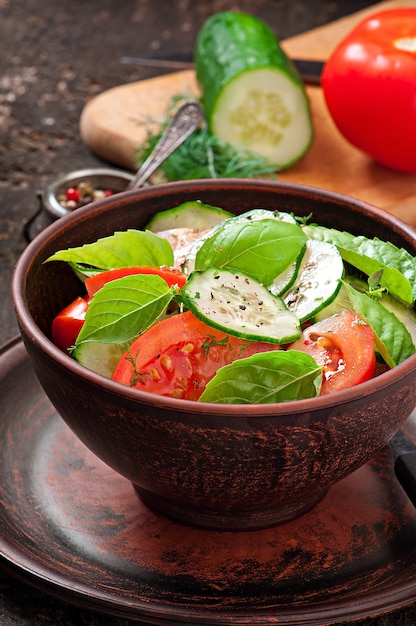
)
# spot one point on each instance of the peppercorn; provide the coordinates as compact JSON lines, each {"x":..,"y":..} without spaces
{"x":84,"y":193}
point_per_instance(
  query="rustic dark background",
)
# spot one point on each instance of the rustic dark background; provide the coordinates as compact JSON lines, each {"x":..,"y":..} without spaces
{"x":54,"y":56}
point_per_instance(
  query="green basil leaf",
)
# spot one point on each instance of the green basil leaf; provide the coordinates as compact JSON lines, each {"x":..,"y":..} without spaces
{"x":390,"y":278}
{"x":124,"y":308}
{"x":123,"y":249}
{"x":275,"y":376}
{"x":392,"y":338}
{"x":372,"y":255}
{"x":261,"y":249}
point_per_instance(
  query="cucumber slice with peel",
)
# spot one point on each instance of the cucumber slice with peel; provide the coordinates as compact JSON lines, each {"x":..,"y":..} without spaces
{"x":195,"y":215}
{"x":99,"y":357}
{"x":318,"y":281}
{"x":252,"y":94}
{"x":238,"y":305}
{"x":285,"y":280}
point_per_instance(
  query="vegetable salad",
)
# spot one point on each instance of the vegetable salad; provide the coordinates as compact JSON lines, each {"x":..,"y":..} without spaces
{"x":254,"y":308}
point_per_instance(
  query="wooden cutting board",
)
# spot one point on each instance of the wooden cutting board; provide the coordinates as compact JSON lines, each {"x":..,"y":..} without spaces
{"x":112,"y":126}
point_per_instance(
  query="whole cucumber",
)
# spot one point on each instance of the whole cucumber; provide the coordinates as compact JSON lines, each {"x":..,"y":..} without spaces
{"x":252,"y":94}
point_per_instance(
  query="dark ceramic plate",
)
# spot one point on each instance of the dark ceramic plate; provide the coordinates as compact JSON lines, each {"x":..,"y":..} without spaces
{"x":72,"y":527}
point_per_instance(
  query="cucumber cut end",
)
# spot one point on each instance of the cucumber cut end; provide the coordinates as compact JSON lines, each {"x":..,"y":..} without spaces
{"x":266,"y":112}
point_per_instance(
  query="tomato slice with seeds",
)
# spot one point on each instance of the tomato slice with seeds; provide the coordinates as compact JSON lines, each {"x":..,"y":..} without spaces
{"x":179,"y":355}
{"x":67,"y":324}
{"x":343,"y":345}
{"x":171,"y":276}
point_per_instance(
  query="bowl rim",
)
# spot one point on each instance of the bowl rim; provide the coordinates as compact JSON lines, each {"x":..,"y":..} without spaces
{"x":36,"y":336}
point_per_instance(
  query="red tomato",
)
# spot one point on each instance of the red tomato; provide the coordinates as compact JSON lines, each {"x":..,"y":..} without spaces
{"x":171,"y":276}
{"x":370,"y":87}
{"x":178,"y":356}
{"x":68,"y":323}
{"x":344,"y":345}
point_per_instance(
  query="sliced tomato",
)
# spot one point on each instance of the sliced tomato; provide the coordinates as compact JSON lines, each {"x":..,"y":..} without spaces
{"x":179,"y":355}
{"x":68,"y":323}
{"x":343,"y":345}
{"x":171,"y":276}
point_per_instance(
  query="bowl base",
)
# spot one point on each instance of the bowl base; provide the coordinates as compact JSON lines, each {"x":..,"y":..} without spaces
{"x":228,"y":520}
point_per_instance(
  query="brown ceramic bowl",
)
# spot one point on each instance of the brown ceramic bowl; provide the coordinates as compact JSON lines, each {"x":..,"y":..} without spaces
{"x":217,"y":466}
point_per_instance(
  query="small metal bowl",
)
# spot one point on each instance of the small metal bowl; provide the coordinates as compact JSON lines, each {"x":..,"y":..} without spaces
{"x":101,"y":178}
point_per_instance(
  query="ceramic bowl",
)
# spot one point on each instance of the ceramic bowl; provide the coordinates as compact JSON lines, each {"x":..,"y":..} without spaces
{"x":215,"y":466}
{"x":99,"y":177}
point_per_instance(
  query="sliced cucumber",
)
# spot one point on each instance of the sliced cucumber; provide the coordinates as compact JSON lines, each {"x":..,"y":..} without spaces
{"x":285,"y":280}
{"x":340,"y":302}
{"x":240,"y":306}
{"x":252,"y":94}
{"x":195,"y":215}
{"x":99,"y":357}
{"x":318,"y":281}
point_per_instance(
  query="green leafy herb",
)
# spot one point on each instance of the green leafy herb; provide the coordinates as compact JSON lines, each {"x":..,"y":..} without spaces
{"x":123,"y":249}
{"x":203,"y":155}
{"x":136,"y":376}
{"x":124,"y":308}
{"x":375,"y":290}
{"x":392,"y":338}
{"x":211,"y":342}
{"x":275,"y":376}
{"x":261,"y":249}
{"x":370,"y":256}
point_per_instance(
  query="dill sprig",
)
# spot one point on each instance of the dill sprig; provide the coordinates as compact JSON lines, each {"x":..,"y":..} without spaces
{"x":203,"y":155}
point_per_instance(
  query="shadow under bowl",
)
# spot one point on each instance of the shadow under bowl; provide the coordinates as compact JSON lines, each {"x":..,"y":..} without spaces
{"x":217,"y":466}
